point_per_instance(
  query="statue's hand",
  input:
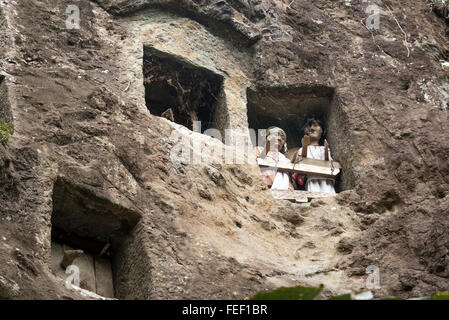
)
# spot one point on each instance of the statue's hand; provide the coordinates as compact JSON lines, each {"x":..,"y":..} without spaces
{"x":305,"y":141}
{"x":268,"y":177}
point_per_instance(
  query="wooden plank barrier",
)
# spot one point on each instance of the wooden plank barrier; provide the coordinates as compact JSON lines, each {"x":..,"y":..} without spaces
{"x":299,"y":196}
{"x":307,"y":166}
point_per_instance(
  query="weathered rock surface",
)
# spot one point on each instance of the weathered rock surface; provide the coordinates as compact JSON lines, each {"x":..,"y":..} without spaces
{"x":76,"y":98}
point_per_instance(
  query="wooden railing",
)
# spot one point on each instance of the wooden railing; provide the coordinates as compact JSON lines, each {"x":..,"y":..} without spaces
{"x":318,"y":168}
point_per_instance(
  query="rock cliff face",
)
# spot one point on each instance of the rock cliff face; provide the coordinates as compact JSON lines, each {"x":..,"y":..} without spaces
{"x":88,"y":157}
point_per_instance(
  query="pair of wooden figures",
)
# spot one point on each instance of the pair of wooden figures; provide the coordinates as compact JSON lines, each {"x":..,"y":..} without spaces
{"x":312,"y":161}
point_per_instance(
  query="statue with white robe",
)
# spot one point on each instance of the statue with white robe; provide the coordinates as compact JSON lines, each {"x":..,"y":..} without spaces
{"x":314,"y":146}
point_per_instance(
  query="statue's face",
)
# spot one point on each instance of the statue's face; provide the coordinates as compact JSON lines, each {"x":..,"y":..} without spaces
{"x":314,"y":131}
{"x":276,"y":139}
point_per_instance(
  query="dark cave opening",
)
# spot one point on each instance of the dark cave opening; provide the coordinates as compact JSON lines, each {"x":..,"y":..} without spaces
{"x":92,"y":234}
{"x":289,"y":108}
{"x":180,"y":91}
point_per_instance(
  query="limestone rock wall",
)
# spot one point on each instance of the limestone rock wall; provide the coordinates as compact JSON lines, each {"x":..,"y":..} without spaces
{"x":76,"y":98}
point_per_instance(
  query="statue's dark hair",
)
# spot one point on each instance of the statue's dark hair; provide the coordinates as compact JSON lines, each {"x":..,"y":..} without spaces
{"x":309,"y":122}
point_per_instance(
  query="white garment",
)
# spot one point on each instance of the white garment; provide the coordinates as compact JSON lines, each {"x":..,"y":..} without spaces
{"x":281,"y":180}
{"x":318,"y":184}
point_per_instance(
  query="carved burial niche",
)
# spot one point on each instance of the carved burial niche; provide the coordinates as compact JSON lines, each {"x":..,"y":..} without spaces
{"x":93,"y":234}
{"x":288,"y":108}
{"x":181,"y":92}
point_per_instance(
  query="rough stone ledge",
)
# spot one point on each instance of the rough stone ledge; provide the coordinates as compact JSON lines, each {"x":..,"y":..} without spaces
{"x":219,"y":16}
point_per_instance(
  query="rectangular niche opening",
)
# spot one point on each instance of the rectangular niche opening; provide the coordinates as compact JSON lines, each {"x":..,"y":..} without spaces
{"x":288,"y":108}
{"x":93,"y":234}
{"x":182,"y":92}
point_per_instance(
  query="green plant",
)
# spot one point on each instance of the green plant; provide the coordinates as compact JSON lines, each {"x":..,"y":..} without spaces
{"x":310,"y":293}
{"x":440,"y":295}
{"x":295,"y":293}
{"x":6,"y":129}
